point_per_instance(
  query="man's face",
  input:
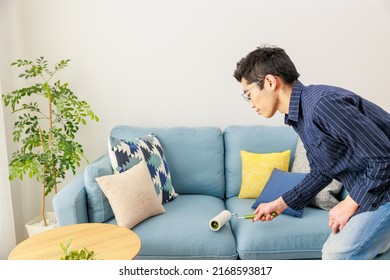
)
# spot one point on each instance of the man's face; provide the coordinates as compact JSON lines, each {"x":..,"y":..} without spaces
{"x":263,"y":101}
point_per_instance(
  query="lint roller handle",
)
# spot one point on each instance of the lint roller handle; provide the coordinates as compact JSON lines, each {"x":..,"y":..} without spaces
{"x":251,"y":216}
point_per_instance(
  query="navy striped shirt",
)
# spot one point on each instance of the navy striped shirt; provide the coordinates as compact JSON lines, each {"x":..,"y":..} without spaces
{"x":347,"y":138}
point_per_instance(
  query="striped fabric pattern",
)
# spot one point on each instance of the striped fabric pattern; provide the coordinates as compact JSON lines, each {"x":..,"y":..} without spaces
{"x":347,"y":138}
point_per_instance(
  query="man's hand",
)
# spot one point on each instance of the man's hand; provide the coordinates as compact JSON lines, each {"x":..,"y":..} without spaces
{"x":264,"y":210}
{"x":341,"y":213}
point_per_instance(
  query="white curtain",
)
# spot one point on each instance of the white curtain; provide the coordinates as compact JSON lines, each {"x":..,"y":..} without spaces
{"x":7,"y":226}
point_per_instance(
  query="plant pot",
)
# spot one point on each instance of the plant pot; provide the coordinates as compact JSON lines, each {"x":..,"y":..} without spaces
{"x":36,"y":225}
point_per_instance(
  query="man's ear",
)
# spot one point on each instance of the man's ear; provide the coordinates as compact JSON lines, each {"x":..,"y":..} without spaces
{"x":271,"y":81}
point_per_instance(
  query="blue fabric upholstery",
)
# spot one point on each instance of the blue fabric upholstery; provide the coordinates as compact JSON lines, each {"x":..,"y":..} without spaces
{"x":384,"y":256}
{"x":99,"y":209}
{"x":286,"y":237}
{"x":195,"y":156}
{"x":183,"y":232}
{"x":70,"y":204}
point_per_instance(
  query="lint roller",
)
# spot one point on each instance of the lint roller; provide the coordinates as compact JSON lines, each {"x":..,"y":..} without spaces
{"x":222,"y":218}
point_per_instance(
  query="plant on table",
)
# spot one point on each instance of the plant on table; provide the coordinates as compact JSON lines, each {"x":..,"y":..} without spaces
{"x":81,"y":254}
{"x":47,"y":122}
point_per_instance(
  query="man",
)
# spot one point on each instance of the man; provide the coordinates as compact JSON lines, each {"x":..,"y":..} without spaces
{"x":346,"y":138}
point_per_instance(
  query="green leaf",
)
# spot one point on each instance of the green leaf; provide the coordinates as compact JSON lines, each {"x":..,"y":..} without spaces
{"x":46,"y":152}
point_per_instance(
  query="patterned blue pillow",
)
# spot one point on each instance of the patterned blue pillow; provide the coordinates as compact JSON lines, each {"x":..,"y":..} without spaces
{"x":124,"y":154}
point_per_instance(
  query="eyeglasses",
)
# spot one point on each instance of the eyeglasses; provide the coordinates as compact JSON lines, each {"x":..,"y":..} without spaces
{"x":246,"y":94}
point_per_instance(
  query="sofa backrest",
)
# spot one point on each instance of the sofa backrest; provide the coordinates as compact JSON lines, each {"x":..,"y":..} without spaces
{"x":195,"y":156}
{"x":254,"y":139}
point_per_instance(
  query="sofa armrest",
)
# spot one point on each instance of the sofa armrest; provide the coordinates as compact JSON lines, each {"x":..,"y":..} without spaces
{"x":70,"y":203}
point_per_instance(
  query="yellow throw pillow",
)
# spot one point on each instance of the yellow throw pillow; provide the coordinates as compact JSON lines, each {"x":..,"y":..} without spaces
{"x":257,"y":169}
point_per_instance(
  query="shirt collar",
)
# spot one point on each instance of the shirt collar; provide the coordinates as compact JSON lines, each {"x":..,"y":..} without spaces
{"x":293,"y":109}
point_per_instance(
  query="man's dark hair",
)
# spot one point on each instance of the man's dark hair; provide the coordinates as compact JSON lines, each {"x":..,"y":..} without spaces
{"x":263,"y":61}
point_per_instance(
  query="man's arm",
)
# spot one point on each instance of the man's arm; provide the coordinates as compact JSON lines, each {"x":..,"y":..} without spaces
{"x":311,"y":185}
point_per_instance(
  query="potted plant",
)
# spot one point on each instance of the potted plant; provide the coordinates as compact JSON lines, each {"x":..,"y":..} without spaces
{"x":48,"y":118}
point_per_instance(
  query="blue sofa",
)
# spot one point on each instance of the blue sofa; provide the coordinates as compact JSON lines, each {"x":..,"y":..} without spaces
{"x":205,"y":168}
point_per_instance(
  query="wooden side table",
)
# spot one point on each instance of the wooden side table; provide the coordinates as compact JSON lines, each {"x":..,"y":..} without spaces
{"x":109,"y":242}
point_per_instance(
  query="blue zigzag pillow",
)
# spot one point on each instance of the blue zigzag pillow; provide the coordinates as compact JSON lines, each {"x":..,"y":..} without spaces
{"x":124,"y":154}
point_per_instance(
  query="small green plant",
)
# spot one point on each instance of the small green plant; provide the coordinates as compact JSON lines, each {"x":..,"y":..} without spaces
{"x":82,"y":254}
{"x":47,"y":122}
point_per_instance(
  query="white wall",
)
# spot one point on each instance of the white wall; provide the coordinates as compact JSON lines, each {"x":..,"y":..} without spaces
{"x":170,"y":63}
{"x":7,"y":45}
{"x":7,"y":229}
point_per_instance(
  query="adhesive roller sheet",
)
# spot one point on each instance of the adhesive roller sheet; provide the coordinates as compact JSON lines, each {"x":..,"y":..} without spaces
{"x":218,"y":221}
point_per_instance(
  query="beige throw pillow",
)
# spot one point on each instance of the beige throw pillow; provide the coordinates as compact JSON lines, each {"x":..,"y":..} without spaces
{"x":131,"y":195}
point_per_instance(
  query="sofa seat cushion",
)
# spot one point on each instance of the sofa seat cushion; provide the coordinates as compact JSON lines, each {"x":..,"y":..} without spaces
{"x":183,"y":232}
{"x":286,"y":237}
{"x":384,"y":256}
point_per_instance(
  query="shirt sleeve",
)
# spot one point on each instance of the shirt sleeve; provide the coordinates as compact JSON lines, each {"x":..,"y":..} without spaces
{"x":300,"y":195}
{"x":344,"y":119}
